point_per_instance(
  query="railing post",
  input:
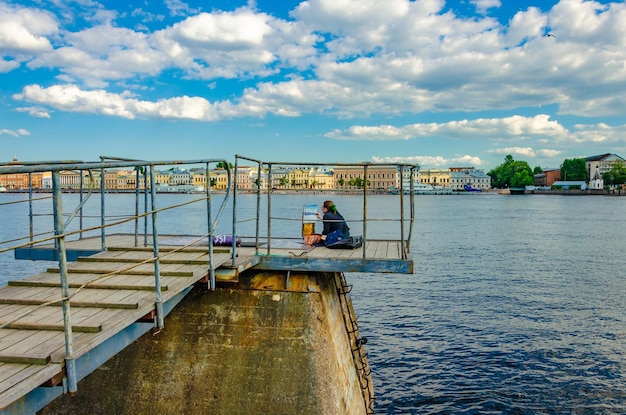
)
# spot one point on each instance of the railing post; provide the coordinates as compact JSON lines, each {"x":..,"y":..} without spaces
{"x":402,"y":211}
{"x":145,"y":205}
{"x":137,"y":206}
{"x":59,"y":229}
{"x":210,"y":229}
{"x":269,"y":207}
{"x":102,"y":221}
{"x":234,"y":184}
{"x":258,"y":208}
{"x":155,"y":249}
{"x":364,"y":210}
{"x":30,"y":205}
{"x":80,"y":202}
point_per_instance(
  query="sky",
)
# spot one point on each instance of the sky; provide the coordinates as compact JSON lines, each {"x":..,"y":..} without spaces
{"x":439,"y":83}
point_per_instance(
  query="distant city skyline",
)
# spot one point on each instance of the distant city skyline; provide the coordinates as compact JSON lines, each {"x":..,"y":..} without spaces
{"x":456,"y":83}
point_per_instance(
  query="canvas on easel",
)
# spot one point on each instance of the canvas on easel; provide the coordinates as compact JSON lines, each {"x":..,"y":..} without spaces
{"x":309,"y":217}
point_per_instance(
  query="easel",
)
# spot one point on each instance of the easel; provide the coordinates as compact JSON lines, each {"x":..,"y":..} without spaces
{"x":309,"y":217}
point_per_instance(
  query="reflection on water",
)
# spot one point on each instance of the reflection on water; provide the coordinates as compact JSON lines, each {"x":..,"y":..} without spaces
{"x":516,"y":305}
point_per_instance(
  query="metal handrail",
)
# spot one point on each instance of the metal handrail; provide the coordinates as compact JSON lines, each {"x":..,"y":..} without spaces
{"x":60,"y":234}
{"x":404,"y":242}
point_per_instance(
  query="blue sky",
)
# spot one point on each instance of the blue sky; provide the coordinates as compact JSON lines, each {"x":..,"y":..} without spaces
{"x":439,"y":83}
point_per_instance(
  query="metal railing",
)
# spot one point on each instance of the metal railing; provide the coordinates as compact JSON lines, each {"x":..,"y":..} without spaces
{"x":151,"y":212}
{"x":405,"y":223}
{"x":60,"y":233}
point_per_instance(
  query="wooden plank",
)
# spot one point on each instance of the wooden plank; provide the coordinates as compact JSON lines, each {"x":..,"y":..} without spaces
{"x":23,"y":379}
{"x":99,"y":285}
{"x":25,"y":358}
{"x":77,"y":328}
{"x":30,"y":344}
{"x":95,"y":268}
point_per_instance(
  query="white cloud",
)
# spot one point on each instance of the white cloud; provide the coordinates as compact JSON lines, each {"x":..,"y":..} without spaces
{"x":71,"y":98}
{"x":37,"y":112}
{"x":431,"y":161}
{"x":517,"y":127}
{"x":14,"y":133}
{"x":483,"y":5}
{"x":362,"y":58}
{"x":23,"y":31}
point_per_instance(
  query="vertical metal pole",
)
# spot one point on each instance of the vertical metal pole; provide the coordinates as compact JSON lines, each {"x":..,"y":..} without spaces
{"x":210,"y":229}
{"x":80,"y":201}
{"x":145,"y":206}
{"x":412,"y":207}
{"x":30,"y":205}
{"x":234,"y":245}
{"x":59,"y":229}
{"x":102,"y":221}
{"x":155,"y":249}
{"x":364,"y":210}
{"x":258,"y":209}
{"x":269,"y":208}
{"x":402,"y":216}
{"x":136,"y":206}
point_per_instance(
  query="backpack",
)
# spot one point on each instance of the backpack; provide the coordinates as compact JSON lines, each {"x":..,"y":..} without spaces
{"x":351,"y":242}
{"x":334,"y":237}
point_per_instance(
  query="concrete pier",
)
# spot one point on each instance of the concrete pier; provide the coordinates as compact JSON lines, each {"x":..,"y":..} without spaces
{"x":276,"y":342}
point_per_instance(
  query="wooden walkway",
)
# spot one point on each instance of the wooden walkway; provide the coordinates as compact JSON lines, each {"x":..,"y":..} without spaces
{"x":115,"y":303}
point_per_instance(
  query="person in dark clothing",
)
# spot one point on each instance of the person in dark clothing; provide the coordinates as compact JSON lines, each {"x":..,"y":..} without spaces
{"x":332,"y":219}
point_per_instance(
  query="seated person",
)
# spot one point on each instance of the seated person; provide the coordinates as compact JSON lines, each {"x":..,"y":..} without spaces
{"x":333,"y":220}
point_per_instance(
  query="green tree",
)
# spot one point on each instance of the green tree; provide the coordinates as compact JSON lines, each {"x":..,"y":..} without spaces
{"x":617,"y":174}
{"x":283,"y":181}
{"x":522,"y":179}
{"x":537,"y":170}
{"x":222,"y":165}
{"x":574,"y":170}
{"x":511,"y":173}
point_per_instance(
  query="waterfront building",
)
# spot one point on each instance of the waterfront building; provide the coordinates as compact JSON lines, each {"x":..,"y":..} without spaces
{"x":244,"y":178}
{"x":280,"y":178}
{"x":298,"y":179}
{"x":69,"y":179}
{"x":180,"y":177}
{"x":408,"y":175}
{"x":14,"y":181}
{"x":603,"y":163}
{"x":547,"y":177}
{"x":596,"y":182}
{"x":378,"y":177}
{"x":435,"y":177}
{"x":219,"y":179}
{"x":321,"y":179}
{"x":199,"y":178}
{"x":162,"y":178}
{"x":462,"y":176}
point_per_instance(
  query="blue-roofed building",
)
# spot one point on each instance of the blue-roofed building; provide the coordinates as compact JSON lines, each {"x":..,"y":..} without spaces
{"x":570,"y":185}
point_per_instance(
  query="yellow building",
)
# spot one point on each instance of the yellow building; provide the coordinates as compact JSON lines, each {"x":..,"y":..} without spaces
{"x":435,"y":177}
{"x":199,"y":179}
{"x":220,"y":178}
{"x":298,"y":179}
{"x":321,"y":179}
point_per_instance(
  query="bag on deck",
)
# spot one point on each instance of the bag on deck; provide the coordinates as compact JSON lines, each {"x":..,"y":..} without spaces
{"x":312,"y":239}
{"x":338,"y":241}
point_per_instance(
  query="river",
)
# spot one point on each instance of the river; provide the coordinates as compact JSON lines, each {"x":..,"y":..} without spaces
{"x":516,"y":306}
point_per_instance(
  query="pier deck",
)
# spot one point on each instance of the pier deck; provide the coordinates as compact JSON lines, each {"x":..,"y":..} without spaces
{"x":115,"y":302}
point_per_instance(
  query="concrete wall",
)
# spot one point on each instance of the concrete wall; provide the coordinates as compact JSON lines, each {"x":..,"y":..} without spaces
{"x":264,"y":346}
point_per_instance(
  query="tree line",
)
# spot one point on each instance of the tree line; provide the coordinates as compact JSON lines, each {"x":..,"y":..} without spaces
{"x":515,"y":173}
